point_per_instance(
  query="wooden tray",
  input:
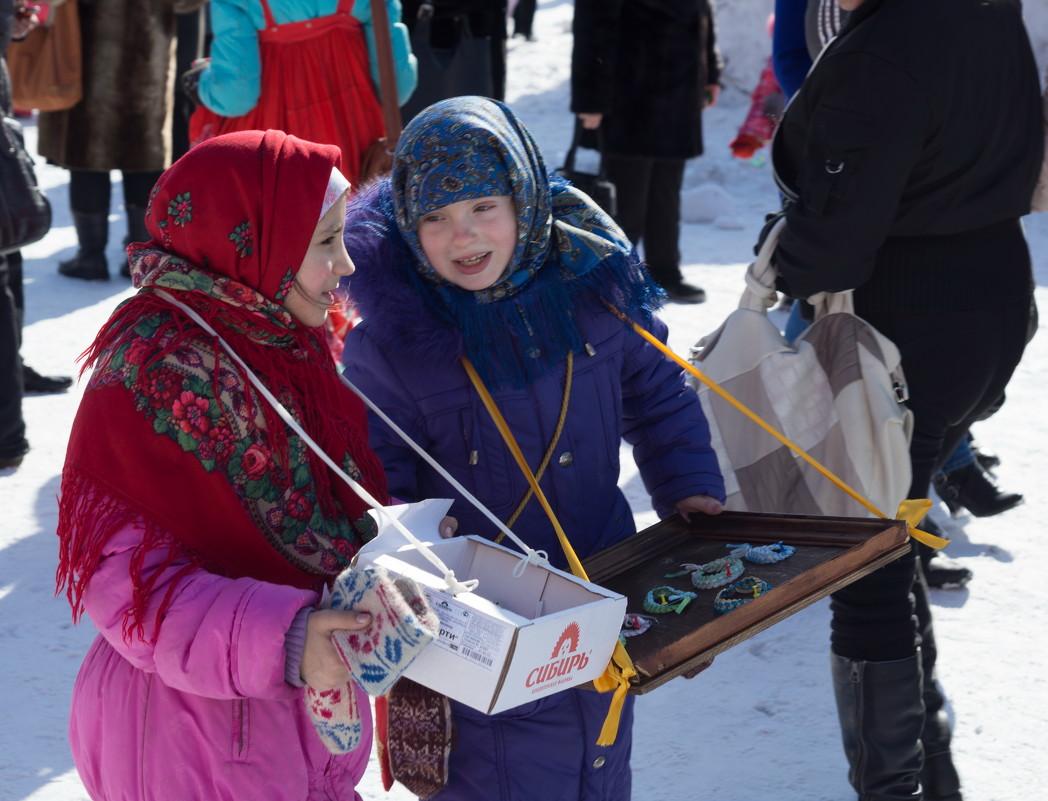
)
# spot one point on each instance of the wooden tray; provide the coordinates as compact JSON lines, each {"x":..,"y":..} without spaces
{"x":832,"y":552}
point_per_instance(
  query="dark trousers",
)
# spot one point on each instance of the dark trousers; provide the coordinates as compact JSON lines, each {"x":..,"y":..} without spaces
{"x":524,"y":17}
{"x":189,"y":37}
{"x":90,"y":191}
{"x":957,"y":365}
{"x":12,"y":426}
{"x":647,"y":192}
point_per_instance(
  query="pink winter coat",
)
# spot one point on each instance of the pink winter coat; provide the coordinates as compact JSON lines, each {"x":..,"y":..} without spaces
{"x":205,"y":713}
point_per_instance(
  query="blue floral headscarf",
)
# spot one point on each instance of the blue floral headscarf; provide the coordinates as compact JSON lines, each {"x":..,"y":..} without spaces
{"x":465,"y":148}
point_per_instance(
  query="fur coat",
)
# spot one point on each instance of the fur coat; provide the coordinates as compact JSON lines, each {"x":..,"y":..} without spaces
{"x":123,"y":121}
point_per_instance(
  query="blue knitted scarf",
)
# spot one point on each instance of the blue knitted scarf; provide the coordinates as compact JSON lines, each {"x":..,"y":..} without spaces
{"x":567,"y":251}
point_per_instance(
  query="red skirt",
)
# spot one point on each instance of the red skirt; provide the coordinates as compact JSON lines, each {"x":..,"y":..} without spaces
{"x":316,"y":85}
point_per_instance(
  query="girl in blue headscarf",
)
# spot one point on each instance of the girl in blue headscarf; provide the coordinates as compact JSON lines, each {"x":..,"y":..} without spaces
{"x":472,"y":251}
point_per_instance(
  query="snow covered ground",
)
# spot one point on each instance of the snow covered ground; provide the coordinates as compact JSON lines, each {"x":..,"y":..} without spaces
{"x":761,"y":722}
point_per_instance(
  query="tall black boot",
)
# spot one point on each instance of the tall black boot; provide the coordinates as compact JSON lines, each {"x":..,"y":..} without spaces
{"x":881,"y":714}
{"x":136,"y":232}
{"x":939,"y":778}
{"x":971,"y":487}
{"x":89,"y":263}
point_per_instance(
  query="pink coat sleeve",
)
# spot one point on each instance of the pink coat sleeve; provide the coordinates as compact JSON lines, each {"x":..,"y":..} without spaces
{"x":220,"y":637}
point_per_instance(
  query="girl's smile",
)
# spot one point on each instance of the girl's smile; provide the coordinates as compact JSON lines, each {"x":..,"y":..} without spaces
{"x":316,"y":284}
{"x":474,"y":264}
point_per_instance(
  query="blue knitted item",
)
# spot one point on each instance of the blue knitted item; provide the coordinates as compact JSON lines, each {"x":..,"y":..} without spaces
{"x":336,"y":717}
{"x":764,"y":554}
{"x":741,"y":592}
{"x":717,"y":573}
{"x":402,"y":625}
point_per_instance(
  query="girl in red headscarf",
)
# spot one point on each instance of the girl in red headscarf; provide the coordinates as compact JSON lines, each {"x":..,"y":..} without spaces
{"x":197,"y":530}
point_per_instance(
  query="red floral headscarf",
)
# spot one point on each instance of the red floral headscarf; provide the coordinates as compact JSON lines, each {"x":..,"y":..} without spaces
{"x":244,"y":205}
{"x":170,"y":436}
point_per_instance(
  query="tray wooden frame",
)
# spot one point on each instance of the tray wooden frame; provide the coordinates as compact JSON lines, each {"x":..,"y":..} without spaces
{"x":832,"y":552}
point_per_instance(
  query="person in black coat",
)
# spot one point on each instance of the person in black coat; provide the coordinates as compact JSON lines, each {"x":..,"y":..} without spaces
{"x":16,"y":378}
{"x":909,"y":160}
{"x":483,"y":19}
{"x":641,"y":73}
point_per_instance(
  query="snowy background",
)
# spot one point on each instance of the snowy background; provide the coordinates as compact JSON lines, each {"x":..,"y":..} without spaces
{"x":759,"y":724}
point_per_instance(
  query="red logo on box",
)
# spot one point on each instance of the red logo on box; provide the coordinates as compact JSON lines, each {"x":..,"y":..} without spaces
{"x":565,"y":659}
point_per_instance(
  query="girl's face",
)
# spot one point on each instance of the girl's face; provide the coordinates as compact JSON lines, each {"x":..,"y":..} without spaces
{"x":325,"y":263}
{"x":470,"y":243}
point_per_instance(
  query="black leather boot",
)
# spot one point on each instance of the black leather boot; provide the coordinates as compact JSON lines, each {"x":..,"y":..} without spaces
{"x":939,"y":779}
{"x":943,"y":572}
{"x":44,"y":384}
{"x":136,"y":232}
{"x":972,"y":488}
{"x":881,"y":713}
{"x":940,"y":571}
{"x":683,"y":292}
{"x":89,"y":263}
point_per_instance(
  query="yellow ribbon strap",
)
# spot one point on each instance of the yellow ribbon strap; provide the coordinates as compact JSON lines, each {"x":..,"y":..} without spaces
{"x":620,"y":669}
{"x":921,"y":536}
{"x":912,"y":512}
{"x":616,"y":677}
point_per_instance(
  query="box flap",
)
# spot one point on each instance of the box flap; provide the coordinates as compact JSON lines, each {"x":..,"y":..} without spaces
{"x":422,"y":519}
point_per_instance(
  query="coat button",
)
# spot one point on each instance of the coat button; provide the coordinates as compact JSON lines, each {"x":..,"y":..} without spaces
{"x":565,"y":459}
{"x":599,"y":762}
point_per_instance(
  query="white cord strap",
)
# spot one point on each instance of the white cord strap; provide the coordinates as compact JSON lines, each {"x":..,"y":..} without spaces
{"x":531,"y":556}
{"x":454,"y":585}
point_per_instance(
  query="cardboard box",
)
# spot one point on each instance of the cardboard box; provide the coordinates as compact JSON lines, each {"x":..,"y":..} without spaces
{"x":514,"y":639}
{"x":831,"y":553}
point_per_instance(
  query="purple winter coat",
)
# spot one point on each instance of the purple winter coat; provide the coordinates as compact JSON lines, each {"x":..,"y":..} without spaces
{"x":205,"y":711}
{"x":406,"y":361}
{"x":626,"y":390}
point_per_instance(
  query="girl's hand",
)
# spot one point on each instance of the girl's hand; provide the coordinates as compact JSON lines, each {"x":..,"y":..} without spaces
{"x":698,"y":503}
{"x":322,"y":667}
{"x":448,"y":527}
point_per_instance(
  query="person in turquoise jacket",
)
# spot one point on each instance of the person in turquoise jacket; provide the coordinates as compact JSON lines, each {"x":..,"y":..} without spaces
{"x":306,"y":67}
{"x":231,"y":84}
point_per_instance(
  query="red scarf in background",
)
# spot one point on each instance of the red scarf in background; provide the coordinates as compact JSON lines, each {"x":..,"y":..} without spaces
{"x":171,"y":436}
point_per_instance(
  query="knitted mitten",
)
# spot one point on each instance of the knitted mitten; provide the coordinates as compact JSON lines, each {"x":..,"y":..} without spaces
{"x":402,"y":625}
{"x":417,"y":738}
{"x":336,"y":717}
